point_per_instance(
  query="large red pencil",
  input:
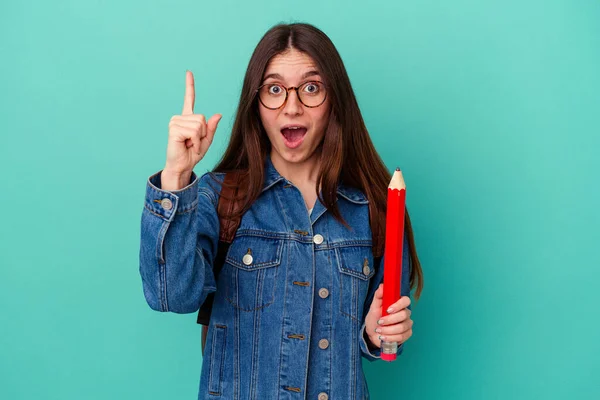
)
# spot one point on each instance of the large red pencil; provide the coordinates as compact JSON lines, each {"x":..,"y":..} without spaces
{"x":394,"y":239}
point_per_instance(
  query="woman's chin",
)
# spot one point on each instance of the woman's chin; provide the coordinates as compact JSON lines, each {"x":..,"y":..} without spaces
{"x":291,"y":156}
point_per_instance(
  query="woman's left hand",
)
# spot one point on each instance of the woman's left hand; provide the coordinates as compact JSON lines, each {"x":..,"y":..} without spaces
{"x":395,"y":327}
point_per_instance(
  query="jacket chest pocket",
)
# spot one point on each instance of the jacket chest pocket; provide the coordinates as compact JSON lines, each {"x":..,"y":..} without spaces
{"x":355,"y":264}
{"x":252,"y":263}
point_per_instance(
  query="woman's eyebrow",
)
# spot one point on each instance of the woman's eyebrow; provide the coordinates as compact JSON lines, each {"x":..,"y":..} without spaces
{"x":277,"y":76}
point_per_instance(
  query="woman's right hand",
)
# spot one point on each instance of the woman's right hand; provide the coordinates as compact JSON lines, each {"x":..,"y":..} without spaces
{"x":190,"y":136}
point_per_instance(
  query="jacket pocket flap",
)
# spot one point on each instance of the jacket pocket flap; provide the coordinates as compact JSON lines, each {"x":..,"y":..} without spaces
{"x":254,"y":252}
{"x":356,"y":261}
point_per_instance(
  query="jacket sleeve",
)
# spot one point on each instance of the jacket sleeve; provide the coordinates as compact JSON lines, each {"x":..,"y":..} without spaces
{"x":371,"y":353}
{"x":178,"y":243}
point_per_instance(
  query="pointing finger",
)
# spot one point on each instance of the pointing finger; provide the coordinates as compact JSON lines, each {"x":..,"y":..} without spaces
{"x":190,"y":94}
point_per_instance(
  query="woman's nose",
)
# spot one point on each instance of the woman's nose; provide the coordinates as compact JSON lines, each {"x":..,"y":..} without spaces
{"x":292,"y":106}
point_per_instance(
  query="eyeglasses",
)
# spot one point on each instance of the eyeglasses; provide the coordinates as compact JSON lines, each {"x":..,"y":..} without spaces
{"x":274,"y":95}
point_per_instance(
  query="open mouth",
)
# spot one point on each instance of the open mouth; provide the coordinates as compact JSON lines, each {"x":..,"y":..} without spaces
{"x":293,"y":135}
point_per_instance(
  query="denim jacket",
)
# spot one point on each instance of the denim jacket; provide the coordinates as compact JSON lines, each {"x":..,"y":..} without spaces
{"x":291,"y":300}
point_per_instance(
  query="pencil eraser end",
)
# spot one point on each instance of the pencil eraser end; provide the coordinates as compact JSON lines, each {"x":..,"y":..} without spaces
{"x":388,"y":350}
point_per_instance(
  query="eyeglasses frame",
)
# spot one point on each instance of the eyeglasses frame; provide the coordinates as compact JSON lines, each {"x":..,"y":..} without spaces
{"x":287,"y":93}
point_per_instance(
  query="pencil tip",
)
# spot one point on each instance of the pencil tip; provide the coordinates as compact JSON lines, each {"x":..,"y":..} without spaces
{"x":397,"y":168}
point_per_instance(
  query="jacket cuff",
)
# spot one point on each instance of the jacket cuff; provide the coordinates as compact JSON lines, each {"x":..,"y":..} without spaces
{"x":165,"y":204}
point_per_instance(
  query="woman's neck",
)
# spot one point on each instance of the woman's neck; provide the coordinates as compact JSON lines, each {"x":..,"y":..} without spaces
{"x":300,"y":174}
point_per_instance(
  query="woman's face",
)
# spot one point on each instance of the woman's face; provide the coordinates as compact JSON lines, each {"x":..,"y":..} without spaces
{"x":290,"y":145}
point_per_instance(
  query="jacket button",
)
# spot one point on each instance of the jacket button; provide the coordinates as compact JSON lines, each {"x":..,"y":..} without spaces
{"x":323,"y":344}
{"x":166,"y":204}
{"x":366,"y":270}
{"x":323,"y":293}
{"x":323,"y":396}
{"x":247,"y":259}
{"x":318,"y":239}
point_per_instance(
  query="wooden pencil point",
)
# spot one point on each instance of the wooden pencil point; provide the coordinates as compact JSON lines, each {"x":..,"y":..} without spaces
{"x":397,"y":181}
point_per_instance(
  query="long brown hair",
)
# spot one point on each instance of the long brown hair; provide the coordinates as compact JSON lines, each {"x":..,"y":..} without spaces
{"x":350,"y":158}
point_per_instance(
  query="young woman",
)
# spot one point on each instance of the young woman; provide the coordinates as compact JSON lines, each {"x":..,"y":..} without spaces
{"x":298,"y":299}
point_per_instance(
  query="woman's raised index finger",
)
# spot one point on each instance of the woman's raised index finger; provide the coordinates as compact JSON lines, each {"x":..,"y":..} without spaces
{"x":190,"y":94}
